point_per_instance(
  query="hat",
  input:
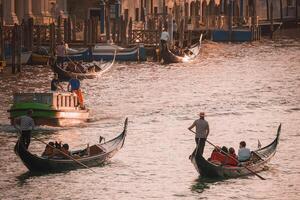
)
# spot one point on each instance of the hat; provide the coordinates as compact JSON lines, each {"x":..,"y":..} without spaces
{"x":201,"y":114}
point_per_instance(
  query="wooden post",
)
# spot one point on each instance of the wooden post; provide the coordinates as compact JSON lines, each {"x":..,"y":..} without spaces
{"x":52,"y":40}
{"x":123,"y":38}
{"x":181,"y":33}
{"x":107,"y":21}
{"x":58,"y":33}
{"x":66,"y":39}
{"x":30,"y":34}
{"x":281,"y":14}
{"x":19,"y":47}
{"x":271,"y":16}
{"x":38,"y":39}
{"x":230,"y":19}
{"x":268,"y":9}
{"x":130,"y":31}
{"x":119,"y":27}
{"x":114,"y":31}
{"x":2,"y":48}
{"x":74,"y":28}
{"x":90,"y":31}
{"x":85,"y":31}
{"x":13,"y":50}
{"x":96,"y":30}
{"x":69,"y":29}
{"x":297,"y":4}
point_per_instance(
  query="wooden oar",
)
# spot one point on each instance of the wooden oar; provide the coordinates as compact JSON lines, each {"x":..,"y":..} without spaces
{"x":64,"y":154}
{"x":250,"y":170}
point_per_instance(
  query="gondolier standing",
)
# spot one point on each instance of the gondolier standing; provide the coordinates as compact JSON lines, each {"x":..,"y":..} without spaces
{"x":61,"y":52}
{"x":164,"y":38}
{"x":25,"y":125}
{"x":202,"y":131}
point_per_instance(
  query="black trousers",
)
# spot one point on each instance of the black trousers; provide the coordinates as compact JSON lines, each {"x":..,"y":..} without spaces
{"x":25,"y":138}
{"x":60,"y":61}
{"x":201,"y":143}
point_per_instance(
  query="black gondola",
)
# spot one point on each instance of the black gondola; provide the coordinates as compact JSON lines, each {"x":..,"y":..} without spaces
{"x":189,"y":54}
{"x":99,"y":153}
{"x":211,"y":170}
{"x":82,"y":70}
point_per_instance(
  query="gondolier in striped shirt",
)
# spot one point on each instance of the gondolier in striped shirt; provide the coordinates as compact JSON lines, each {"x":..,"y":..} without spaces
{"x":202,"y":131}
{"x":25,"y":124}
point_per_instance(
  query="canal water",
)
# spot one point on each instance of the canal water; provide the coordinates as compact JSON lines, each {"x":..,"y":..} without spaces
{"x":246,"y":90}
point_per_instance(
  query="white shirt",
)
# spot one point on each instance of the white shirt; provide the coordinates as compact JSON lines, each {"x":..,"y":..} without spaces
{"x":165,"y":36}
{"x":244,"y":154}
{"x":26,"y":123}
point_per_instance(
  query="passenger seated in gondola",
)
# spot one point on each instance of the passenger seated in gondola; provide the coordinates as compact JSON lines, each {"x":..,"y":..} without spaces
{"x":217,"y":157}
{"x":231,"y":158}
{"x":56,"y":150}
{"x":224,"y":150}
{"x":48,"y":152}
{"x":65,"y":150}
{"x":61,"y":152}
{"x":244,"y":153}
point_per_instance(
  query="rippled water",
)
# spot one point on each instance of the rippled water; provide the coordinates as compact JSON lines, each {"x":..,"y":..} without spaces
{"x":245,"y":89}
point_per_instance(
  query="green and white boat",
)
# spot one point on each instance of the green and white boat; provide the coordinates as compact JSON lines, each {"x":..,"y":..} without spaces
{"x":52,"y":109}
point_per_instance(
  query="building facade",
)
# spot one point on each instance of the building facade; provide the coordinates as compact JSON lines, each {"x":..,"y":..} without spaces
{"x":42,"y":11}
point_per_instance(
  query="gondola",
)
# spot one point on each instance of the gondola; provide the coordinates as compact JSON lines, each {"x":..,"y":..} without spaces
{"x":257,"y":163}
{"x":107,"y":51}
{"x":82,"y":70}
{"x":189,"y":54}
{"x":98,"y":154}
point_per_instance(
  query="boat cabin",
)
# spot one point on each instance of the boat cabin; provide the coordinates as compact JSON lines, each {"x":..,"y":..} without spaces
{"x":57,"y":100}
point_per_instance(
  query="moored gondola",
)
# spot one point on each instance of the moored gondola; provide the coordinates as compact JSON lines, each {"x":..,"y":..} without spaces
{"x":256,"y":164}
{"x":94,"y":155}
{"x":188,"y":55}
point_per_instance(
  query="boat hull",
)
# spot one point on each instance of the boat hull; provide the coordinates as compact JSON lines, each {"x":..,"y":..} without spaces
{"x":25,"y":56}
{"x":134,"y":54}
{"x":37,"y":59}
{"x":49,"y":116}
{"x":36,"y":163}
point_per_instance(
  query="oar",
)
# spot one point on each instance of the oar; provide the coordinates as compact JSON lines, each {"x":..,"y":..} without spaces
{"x":64,"y":154}
{"x":250,"y":170}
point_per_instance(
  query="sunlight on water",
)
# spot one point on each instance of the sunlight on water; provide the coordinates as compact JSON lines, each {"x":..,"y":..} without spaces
{"x":245,"y":89}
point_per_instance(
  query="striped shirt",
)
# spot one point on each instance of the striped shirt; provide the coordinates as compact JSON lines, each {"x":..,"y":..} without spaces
{"x":26,"y":123}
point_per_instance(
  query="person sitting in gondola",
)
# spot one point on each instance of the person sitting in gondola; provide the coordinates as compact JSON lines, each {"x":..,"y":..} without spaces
{"x":48,"y":152}
{"x":244,"y":153}
{"x":231,"y":158}
{"x":65,"y":151}
{"x":217,"y":157}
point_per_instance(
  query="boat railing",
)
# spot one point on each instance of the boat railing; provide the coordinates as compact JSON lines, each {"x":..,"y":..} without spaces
{"x":58,"y":100}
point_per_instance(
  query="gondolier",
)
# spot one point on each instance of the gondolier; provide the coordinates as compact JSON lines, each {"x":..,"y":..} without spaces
{"x":61,"y":52}
{"x":164,"y":38}
{"x":202,"y":131}
{"x":25,"y":125}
